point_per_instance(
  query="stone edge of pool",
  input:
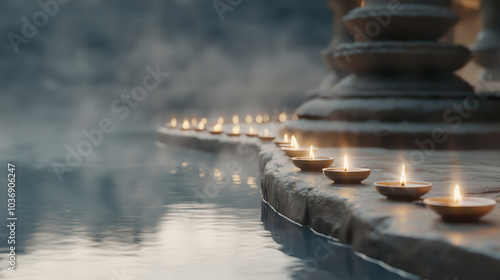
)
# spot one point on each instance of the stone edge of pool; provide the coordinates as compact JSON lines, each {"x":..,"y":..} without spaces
{"x":369,"y":232}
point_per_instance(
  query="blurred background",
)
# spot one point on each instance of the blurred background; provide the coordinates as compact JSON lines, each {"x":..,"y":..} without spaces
{"x":258,"y":56}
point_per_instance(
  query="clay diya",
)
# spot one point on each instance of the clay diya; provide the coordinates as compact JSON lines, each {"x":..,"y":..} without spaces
{"x":173,"y":123}
{"x":265,"y":137}
{"x":251,"y":132}
{"x":312,"y":163}
{"x":347,"y":175}
{"x":403,"y":190}
{"x":460,"y":209}
{"x":185,"y":125}
{"x":201,"y":126}
{"x":235,"y":132}
{"x":295,"y":150}
{"x":285,"y":141}
{"x":217,"y":129}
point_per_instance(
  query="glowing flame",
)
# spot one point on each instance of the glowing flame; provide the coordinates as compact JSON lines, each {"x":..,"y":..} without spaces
{"x":251,"y":131}
{"x":282,"y":117}
{"x":258,"y":119}
{"x":311,"y":153}
{"x":248,"y":119}
{"x":346,"y":163}
{"x":266,"y":132}
{"x":294,"y":144}
{"x":201,"y":126}
{"x":457,"y":197}
{"x":204,"y":121}
{"x":236,"y":129}
{"x":285,"y":139}
{"x":173,"y":122}
{"x":265,"y":118}
{"x":194,"y":122}
{"x":220,"y":120}
{"x":185,"y":124}
{"x":218,"y":127}
{"x":236,"y":119}
{"x":403,"y":176}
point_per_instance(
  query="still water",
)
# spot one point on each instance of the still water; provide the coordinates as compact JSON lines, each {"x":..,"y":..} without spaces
{"x":135,"y":210}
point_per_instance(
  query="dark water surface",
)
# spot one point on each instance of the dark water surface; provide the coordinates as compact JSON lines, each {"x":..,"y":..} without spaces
{"x":135,"y":210}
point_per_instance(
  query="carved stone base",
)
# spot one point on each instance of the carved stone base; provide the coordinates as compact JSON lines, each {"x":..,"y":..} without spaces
{"x":403,"y":135}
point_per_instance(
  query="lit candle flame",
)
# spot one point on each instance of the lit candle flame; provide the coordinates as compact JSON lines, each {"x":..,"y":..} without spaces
{"x":346,"y":164}
{"x":185,"y":124}
{"x":236,"y":119}
{"x":218,"y":127}
{"x":266,"y":132}
{"x":294,"y":144}
{"x":285,"y":139}
{"x":236,"y":129}
{"x":311,"y":153}
{"x":220,"y":120}
{"x":457,"y":197}
{"x":194,"y":122}
{"x":248,"y":119}
{"x":258,"y":119}
{"x":265,"y":118}
{"x":282,"y":117}
{"x":204,"y":121}
{"x":251,"y":131}
{"x":403,"y":176}
{"x":173,"y":122}
{"x":201,"y":126}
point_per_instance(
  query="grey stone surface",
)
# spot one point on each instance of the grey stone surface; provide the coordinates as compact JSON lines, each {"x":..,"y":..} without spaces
{"x":404,"y":235}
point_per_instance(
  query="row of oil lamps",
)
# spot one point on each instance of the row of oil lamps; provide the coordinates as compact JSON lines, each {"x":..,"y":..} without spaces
{"x":200,"y":125}
{"x":452,"y":209}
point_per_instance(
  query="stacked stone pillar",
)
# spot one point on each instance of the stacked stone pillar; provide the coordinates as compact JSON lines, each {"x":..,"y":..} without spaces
{"x":402,"y":92}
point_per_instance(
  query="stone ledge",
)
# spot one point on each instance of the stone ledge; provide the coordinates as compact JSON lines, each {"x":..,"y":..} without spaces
{"x":403,"y":235}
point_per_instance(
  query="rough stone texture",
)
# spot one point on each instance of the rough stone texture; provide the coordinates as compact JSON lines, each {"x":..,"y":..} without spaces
{"x":404,"y":235}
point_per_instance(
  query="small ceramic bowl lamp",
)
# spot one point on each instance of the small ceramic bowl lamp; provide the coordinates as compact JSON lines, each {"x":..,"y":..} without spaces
{"x":265,"y":137}
{"x":460,"y":209}
{"x":346,"y":175}
{"x":217,"y":129}
{"x":295,"y":150}
{"x":403,"y":190}
{"x":312,"y":163}
{"x":285,"y":141}
{"x":235,"y":132}
{"x":251,"y":132}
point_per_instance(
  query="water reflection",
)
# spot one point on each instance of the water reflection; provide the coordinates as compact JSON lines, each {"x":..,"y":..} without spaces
{"x":145,"y":212}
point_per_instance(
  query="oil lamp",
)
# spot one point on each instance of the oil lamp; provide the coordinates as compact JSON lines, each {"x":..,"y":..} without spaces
{"x":185,"y":125}
{"x":173,"y":123}
{"x":194,"y":123}
{"x":312,"y":163}
{"x":201,"y":126}
{"x":347,"y":175}
{"x":285,"y":142}
{"x":403,"y":190}
{"x":460,"y":209}
{"x":295,"y":150}
{"x":251,"y":132}
{"x":235,"y":132}
{"x":265,"y":137}
{"x":282,"y":117}
{"x":217,"y":129}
